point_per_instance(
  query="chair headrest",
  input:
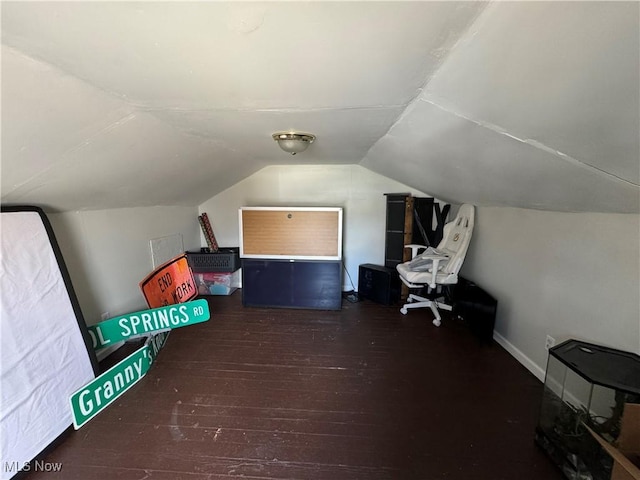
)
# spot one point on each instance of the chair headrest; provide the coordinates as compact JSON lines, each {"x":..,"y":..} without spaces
{"x":465,"y":216}
{"x":457,"y":235}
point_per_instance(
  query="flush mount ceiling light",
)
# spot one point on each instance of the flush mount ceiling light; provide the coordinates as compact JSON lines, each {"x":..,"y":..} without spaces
{"x":293,"y":142}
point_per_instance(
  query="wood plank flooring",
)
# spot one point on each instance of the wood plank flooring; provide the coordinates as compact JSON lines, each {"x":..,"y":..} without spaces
{"x":361,"y":393}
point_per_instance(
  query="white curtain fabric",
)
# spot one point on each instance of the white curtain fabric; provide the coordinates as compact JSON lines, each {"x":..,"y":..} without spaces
{"x":43,"y":358}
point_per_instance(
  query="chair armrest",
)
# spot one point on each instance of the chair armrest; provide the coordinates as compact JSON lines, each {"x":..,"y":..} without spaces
{"x":429,"y":263}
{"x":436,"y":263}
{"x":414,"y":249}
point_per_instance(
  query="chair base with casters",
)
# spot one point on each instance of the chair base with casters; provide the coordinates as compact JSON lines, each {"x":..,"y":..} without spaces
{"x":421,"y":302}
{"x":418,"y":301}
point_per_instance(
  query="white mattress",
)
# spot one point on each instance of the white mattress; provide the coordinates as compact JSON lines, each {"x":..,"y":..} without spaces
{"x":43,"y":355}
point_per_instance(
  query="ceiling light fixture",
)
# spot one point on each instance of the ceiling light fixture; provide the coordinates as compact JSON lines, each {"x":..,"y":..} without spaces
{"x":293,"y":142}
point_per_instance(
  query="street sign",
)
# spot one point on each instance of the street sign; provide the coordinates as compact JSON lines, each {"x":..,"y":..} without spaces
{"x":123,"y":327}
{"x":168,"y":288}
{"x":94,"y":397}
{"x":170,"y":283}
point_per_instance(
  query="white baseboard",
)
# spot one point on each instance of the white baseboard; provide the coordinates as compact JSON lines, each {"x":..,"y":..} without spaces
{"x":521,"y":357}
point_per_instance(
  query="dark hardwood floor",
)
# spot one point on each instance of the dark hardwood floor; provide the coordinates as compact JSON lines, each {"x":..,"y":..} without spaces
{"x":361,"y":393}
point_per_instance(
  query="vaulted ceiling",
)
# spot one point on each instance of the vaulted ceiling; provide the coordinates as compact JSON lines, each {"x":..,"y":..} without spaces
{"x":119,"y":104}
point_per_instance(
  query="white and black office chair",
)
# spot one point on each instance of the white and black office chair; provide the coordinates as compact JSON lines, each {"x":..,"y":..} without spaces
{"x":432,"y":267}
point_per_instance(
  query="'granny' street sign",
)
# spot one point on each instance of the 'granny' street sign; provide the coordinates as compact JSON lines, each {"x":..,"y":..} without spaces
{"x":94,"y":397}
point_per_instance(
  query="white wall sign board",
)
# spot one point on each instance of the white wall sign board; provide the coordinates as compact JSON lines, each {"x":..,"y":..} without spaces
{"x":164,"y":249}
{"x":45,"y":354}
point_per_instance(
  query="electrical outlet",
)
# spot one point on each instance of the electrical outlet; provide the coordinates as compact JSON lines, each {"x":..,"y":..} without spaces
{"x":105,"y":316}
{"x":550,"y":342}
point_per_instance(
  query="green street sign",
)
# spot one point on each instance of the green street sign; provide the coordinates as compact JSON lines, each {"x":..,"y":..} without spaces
{"x":123,"y":327}
{"x":155,"y":344}
{"x":94,"y":397}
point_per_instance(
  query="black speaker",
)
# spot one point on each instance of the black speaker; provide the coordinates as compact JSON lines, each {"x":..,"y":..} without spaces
{"x":379,"y":284}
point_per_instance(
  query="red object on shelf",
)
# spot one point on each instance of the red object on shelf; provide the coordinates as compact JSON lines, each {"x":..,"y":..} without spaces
{"x":208,"y":232}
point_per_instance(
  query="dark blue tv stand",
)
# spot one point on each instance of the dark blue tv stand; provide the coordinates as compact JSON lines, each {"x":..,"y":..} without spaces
{"x":314,"y":284}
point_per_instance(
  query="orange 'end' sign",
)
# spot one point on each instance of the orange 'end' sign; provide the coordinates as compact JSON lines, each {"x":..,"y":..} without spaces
{"x":170,"y":283}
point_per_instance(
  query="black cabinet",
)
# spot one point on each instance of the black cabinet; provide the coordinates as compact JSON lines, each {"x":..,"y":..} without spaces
{"x":475,"y":306}
{"x":398,"y":229}
{"x":418,"y":220}
{"x":378,"y":283}
{"x":292,"y":284}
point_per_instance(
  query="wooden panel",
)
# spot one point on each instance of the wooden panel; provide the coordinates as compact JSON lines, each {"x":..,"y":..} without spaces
{"x":291,"y":233}
{"x":408,"y":234}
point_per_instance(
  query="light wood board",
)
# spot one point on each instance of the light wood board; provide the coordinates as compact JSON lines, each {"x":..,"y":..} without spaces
{"x":291,"y":233}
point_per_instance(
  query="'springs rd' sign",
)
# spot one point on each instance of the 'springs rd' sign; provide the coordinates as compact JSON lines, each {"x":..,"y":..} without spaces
{"x":123,"y":327}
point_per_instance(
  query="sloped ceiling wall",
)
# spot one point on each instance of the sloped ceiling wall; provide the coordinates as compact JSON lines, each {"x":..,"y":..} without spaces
{"x":121,"y":104}
{"x":536,"y":107}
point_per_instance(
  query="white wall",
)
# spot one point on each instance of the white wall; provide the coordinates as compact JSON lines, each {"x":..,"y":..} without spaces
{"x":568,"y":275}
{"x":358,"y":190}
{"x":107,"y":252}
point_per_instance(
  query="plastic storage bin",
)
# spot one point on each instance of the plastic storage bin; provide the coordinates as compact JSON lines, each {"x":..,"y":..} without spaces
{"x":217,"y":283}
{"x":224,"y":260}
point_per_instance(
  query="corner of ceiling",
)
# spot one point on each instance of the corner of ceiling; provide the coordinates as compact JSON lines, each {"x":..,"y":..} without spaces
{"x":468,"y":33}
{"x":390,"y":156}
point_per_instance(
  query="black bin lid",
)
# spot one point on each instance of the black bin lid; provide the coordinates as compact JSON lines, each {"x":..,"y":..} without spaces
{"x":601,"y":365}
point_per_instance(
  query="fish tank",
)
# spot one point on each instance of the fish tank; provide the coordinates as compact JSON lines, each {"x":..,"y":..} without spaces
{"x":585,"y":384}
